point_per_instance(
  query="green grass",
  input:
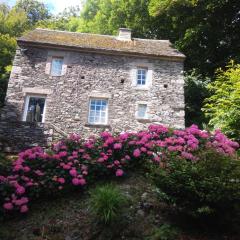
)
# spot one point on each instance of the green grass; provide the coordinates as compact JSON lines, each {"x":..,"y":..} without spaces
{"x":106,"y":203}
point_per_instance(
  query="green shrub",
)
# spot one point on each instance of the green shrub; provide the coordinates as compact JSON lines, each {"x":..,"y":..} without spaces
{"x":5,"y":164}
{"x":206,"y":189}
{"x":165,"y":232}
{"x":222,"y":106}
{"x":106,"y":203}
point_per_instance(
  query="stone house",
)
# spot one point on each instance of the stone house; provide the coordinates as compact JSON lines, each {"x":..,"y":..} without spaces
{"x":64,"y":82}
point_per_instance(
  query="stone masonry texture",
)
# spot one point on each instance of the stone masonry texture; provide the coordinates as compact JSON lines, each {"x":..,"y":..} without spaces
{"x":88,"y":75}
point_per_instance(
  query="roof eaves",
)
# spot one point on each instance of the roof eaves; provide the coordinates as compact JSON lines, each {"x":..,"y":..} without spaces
{"x":180,"y":57}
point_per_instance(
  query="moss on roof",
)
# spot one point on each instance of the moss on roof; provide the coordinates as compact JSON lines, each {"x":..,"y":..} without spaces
{"x":157,"y":48}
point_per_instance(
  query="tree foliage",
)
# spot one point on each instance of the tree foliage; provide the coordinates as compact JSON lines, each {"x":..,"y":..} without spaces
{"x":195,"y":92}
{"x":205,"y":30}
{"x":35,"y":10}
{"x":223,"y":106}
{"x":13,"y":23}
{"x":106,"y":17}
{"x":68,"y":20}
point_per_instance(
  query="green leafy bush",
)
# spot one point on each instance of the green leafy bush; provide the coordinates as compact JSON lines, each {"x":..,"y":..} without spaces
{"x":206,"y":189}
{"x":165,"y":232}
{"x":222,"y":107}
{"x":106,"y":202}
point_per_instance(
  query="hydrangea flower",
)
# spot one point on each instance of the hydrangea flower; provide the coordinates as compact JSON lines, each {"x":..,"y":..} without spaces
{"x":137,"y":153}
{"x":119,"y":172}
{"x":8,"y":206}
{"x":71,"y":160}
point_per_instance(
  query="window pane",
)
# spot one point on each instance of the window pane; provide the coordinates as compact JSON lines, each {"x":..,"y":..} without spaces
{"x":91,"y":119}
{"x":35,"y":109}
{"x":139,"y":82}
{"x":99,"y":102}
{"x":97,"y":119}
{"x":56,"y":68}
{"x":97,"y":114}
{"x":103,"y":108}
{"x":142,"y":110}
{"x":141,"y":76}
{"x":92,"y":113}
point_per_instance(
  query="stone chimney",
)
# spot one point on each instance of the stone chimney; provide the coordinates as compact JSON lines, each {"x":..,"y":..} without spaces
{"x":125,"y":34}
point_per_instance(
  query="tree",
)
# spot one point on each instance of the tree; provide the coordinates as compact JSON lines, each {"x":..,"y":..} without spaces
{"x":67,"y":20}
{"x":195,"y":92}
{"x":12,"y":24}
{"x":7,"y":51}
{"x":35,"y":10}
{"x":106,"y":17}
{"x":206,"y":31}
{"x":223,"y":106}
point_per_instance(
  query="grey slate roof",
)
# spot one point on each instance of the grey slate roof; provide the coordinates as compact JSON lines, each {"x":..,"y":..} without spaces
{"x":101,"y":43}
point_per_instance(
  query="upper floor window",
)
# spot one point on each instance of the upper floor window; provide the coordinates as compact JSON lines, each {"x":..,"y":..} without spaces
{"x":34,"y":109}
{"x":142,"y":111}
{"x":56,"y":66}
{"x":141,"y":76}
{"x":98,"y":111}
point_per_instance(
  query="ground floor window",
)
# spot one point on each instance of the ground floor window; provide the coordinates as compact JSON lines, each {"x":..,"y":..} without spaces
{"x":98,"y":111}
{"x":142,"y":111}
{"x":34,"y":109}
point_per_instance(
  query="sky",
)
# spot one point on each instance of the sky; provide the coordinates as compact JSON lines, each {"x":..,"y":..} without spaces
{"x":55,"y":6}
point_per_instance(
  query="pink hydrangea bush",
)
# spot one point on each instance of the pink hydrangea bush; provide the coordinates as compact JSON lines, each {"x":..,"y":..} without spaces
{"x":73,"y":162}
{"x":36,"y":172}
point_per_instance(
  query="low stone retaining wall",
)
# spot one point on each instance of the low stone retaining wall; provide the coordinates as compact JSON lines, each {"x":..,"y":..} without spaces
{"x":17,"y":136}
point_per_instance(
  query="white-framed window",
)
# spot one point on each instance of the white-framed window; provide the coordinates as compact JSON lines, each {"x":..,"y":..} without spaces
{"x":98,"y":111}
{"x":142,"y":76}
{"x":56,"y":66}
{"x":34,"y":109}
{"x":142,"y":111}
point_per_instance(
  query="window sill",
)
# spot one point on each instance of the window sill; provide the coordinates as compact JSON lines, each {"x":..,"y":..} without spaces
{"x":53,"y":76}
{"x":97,"y":125}
{"x":145,"y":88}
{"x":144,"y":120}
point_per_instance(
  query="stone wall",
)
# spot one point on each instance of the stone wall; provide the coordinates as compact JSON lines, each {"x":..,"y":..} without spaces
{"x":90,"y":75}
{"x":17,"y":136}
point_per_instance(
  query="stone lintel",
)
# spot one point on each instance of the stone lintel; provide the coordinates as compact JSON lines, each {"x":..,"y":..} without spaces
{"x":37,"y":90}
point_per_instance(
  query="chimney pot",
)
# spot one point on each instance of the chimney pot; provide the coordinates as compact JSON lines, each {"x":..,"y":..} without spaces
{"x":125,"y":34}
